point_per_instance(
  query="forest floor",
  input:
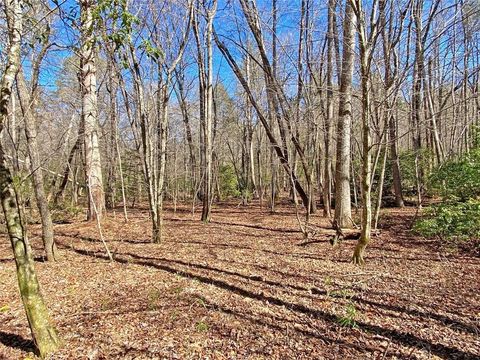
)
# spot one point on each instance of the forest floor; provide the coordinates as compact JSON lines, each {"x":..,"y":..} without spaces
{"x":247,"y":286}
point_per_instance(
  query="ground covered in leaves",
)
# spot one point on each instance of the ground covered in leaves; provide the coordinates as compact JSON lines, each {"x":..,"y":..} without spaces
{"x":247,"y":286}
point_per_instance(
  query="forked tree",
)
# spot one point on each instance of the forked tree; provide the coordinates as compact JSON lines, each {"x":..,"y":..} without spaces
{"x":28,"y":99}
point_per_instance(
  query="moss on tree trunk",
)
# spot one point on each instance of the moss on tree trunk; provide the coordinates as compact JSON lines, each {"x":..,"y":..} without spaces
{"x":43,"y":332}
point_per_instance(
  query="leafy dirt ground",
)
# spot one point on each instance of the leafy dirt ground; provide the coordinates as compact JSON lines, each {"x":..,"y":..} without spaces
{"x":247,"y":286}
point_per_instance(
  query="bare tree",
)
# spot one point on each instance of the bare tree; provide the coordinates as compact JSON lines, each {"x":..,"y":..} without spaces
{"x":391,"y":37}
{"x":43,"y":332}
{"x":88,"y":78}
{"x":28,"y":103}
{"x":327,"y":171}
{"x":205,"y":72}
{"x":343,"y":209}
{"x":367,"y":40}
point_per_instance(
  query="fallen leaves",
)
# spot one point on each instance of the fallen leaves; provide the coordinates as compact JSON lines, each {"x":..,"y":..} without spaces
{"x":240,"y":287}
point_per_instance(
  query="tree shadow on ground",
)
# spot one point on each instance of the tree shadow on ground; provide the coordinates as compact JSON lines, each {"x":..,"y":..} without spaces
{"x":204,"y":244}
{"x":95,"y":240}
{"x":256,"y":226}
{"x":313,"y":241}
{"x":459,"y":325}
{"x":397,"y":336}
{"x":278,"y":323}
{"x":251,"y":226}
{"x":313,"y":274}
{"x":390,"y":307}
{"x":16,"y":341}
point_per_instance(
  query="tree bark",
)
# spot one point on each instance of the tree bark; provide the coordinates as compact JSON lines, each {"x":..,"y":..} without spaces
{"x":389,"y":42}
{"x":110,"y":191}
{"x":343,"y":208}
{"x":327,"y":171}
{"x":205,"y":71}
{"x":93,"y":166}
{"x":27,"y":102}
{"x":43,"y":332}
{"x":367,"y":40}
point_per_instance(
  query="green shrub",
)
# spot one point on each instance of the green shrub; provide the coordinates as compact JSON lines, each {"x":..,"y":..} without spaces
{"x":407,"y":169}
{"x":458,"y":180}
{"x":64,"y":212}
{"x":455,"y":221}
{"x":229,"y":186}
{"x":452,"y":222}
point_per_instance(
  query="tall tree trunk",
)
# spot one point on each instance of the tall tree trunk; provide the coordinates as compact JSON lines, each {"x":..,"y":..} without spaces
{"x":27,"y":102}
{"x":207,"y":75}
{"x":389,"y":42}
{"x":112,"y":138}
{"x":343,"y":208}
{"x":182,"y":98}
{"x":162,"y":108}
{"x":327,"y":171}
{"x":250,"y":153}
{"x":367,"y":44}
{"x":93,"y":166}
{"x":433,"y":116}
{"x":146,"y":149}
{"x":273,"y":162}
{"x":43,"y":332}
{"x":417,"y":89}
{"x":277,"y":102}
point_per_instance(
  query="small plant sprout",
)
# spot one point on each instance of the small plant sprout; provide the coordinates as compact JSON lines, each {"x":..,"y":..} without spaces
{"x":349,"y":317}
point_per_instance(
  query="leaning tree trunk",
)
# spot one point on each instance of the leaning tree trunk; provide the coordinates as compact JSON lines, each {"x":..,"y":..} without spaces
{"x":60,"y":194}
{"x":43,"y":332}
{"x":274,"y":144}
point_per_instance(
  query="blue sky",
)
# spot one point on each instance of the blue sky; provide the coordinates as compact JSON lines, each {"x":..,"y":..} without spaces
{"x":288,"y":18}
{"x":66,"y":36}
